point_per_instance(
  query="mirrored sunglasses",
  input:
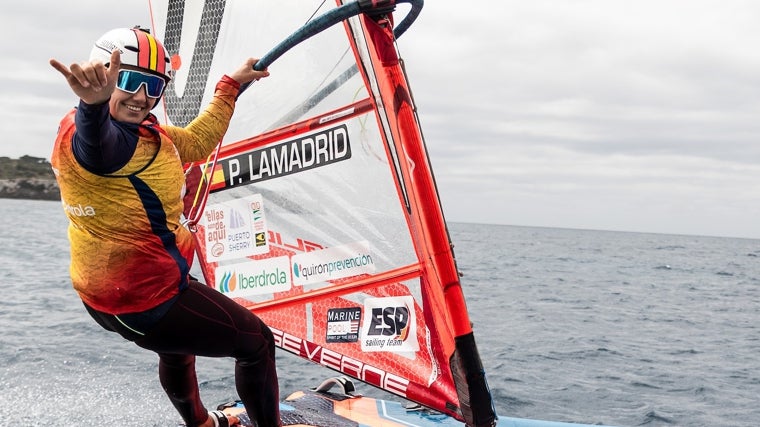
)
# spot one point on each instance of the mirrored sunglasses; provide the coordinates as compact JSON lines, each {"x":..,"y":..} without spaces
{"x":131,"y":80}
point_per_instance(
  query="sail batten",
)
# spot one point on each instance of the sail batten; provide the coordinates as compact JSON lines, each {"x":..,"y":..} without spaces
{"x":358,"y":285}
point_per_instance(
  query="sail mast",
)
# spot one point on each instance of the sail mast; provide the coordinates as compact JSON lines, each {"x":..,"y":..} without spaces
{"x":426,"y":216}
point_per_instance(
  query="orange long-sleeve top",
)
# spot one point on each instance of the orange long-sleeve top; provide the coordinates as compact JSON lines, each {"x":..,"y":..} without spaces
{"x":129,"y":250}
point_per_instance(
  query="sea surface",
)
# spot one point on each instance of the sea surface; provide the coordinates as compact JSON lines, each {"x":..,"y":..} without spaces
{"x":622,"y":329}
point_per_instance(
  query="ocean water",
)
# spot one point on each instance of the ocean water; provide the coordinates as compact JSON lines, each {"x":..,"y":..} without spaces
{"x":622,"y":329}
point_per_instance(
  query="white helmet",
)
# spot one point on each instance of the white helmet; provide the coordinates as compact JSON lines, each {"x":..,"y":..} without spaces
{"x":138,"y":48}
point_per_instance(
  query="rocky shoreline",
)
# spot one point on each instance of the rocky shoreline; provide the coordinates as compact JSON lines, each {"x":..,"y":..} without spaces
{"x":29,"y":188}
{"x":28,"y":178}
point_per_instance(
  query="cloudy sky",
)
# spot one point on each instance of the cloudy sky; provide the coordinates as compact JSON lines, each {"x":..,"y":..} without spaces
{"x":633,"y":115}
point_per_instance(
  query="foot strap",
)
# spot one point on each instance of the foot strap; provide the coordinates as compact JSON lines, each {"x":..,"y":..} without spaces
{"x":220,"y":419}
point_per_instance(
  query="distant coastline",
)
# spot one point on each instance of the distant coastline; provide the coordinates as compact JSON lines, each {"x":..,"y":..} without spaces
{"x":27,"y":178}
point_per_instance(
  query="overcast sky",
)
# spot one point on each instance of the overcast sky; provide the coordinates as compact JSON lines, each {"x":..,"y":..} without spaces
{"x":632,"y":115}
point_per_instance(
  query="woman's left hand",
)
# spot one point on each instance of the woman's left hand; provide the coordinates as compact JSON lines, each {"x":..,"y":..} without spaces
{"x":246,"y":73}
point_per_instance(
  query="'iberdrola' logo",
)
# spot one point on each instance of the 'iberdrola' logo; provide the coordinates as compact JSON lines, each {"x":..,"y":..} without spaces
{"x":228,"y":282}
{"x":254,"y":277}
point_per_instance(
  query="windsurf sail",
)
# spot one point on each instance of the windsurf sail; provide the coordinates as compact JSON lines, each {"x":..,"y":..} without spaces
{"x":322,"y":214}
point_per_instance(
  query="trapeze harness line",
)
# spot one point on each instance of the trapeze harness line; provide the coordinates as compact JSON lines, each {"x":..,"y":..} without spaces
{"x":313,"y":27}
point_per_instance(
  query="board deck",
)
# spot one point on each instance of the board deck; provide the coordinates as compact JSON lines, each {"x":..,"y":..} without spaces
{"x":334,"y":403}
{"x":323,"y":407}
{"x":319,"y":409}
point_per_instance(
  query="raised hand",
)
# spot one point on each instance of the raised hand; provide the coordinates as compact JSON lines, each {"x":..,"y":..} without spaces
{"x":246,"y":73}
{"x":92,"y":81}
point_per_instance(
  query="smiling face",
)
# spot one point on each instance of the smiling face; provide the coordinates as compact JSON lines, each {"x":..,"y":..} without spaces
{"x":131,"y":107}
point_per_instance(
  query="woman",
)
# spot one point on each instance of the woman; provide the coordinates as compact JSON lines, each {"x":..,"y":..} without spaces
{"x":121,"y":179}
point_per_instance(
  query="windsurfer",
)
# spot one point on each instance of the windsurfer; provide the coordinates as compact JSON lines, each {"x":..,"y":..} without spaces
{"x":130,"y":257}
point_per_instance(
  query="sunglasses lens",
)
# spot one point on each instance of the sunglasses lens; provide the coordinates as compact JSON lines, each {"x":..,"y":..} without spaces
{"x":131,"y":80}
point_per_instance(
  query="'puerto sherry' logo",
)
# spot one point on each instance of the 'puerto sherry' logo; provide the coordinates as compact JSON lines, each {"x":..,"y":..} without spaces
{"x":235,"y":229}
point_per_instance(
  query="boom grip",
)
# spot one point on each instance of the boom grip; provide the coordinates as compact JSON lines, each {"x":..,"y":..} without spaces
{"x":332,"y":17}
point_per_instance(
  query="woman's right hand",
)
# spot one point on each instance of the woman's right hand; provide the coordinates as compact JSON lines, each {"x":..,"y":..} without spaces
{"x":91,"y":81}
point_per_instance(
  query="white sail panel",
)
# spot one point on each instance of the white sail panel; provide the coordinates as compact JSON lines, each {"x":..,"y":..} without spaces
{"x":322,"y":216}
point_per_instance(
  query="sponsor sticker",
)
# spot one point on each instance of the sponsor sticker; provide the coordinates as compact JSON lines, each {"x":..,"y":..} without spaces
{"x":332,"y":263}
{"x":257,"y":277}
{"x":343,"y":324}
{"x":235,"y":229}
{"x":323,"y":148}
{"x":389,"y":324}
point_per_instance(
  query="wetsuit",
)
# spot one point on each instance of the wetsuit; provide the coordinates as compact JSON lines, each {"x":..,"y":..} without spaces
{"x":121,"y":188}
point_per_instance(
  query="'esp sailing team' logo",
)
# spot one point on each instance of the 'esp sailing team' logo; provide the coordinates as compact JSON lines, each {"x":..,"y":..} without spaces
{"x":390,"y":324}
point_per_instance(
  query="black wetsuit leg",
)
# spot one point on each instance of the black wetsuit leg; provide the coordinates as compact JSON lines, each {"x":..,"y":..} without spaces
{"x":203,"y":322}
